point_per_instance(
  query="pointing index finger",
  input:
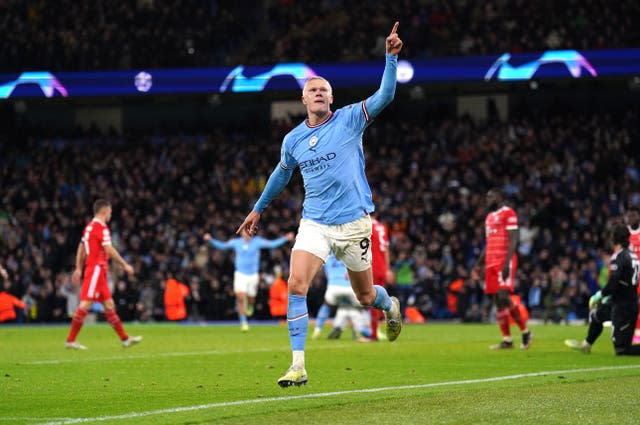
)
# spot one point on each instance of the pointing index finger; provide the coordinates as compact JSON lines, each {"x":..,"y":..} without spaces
{"x":395,"y":28}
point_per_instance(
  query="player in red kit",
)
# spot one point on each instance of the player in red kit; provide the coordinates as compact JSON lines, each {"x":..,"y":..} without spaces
{"x":500,"y":258}
{"x":633,"y":223}
{"x":381,"y":269}
{"x":93,"y":255}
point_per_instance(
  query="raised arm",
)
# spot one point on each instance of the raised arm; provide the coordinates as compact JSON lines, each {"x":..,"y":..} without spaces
{"x":384,"y":95}
{"x":221,"y":245}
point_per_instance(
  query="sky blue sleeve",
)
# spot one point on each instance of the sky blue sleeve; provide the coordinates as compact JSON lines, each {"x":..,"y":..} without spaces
{"x":381,"y":98}
{"x":274,"y":243}
{"x":277,"y":181}
{"x":221,"y":245}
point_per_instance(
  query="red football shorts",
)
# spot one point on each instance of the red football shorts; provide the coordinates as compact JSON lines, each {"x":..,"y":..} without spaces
{"x":493,"y":278}
{"x":94,"y":285}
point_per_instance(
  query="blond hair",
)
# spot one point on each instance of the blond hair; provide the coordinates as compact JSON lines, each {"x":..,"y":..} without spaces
{"x":317,"y":77}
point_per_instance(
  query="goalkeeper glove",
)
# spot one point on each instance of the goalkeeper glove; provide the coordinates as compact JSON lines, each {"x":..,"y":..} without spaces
{"x":597,"y":299}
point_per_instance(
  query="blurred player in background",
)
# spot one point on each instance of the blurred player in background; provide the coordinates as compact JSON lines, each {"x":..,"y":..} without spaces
{"x":500,"y":261}
{"x":92,"y":256}
{"x":338,"y":291}
{"x":327,"y":147}
{"x":380,"y":264}
{"x":617,"y":301}
{"x":247,"y":266}
{"x":633,"y":221}
{"x":359,"y":318}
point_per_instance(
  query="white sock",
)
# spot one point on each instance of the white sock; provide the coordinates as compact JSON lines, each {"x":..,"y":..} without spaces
{"x":298,"y":359}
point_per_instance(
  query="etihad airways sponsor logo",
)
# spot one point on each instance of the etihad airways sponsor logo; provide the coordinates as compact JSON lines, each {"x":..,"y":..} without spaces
{"x":321,"y":161}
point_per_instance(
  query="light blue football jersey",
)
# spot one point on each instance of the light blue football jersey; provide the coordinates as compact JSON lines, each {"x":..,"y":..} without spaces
{"x":248,"y":252}
{"x":331,"y":160}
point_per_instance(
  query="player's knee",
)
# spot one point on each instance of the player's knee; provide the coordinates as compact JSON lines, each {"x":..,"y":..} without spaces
{"x":297,"y":285}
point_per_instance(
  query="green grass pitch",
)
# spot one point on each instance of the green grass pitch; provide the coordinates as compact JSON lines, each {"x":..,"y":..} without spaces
{"x":433,"y":374}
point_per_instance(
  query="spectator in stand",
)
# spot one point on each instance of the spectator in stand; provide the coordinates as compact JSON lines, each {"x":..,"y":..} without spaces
{"x":8,"y":302}
{"x":278,"y":293}
{"x":201,"y":33}
{"x":175,"y":293}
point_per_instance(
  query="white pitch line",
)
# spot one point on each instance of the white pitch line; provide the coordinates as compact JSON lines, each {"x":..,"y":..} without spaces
{"x":20,"y":418}
{"x":331,"y":394}
{"x":170,"y":354}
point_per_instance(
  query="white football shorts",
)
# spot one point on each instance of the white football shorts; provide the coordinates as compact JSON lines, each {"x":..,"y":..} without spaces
{"x":349,"y":242}
{"x":247,"y":283}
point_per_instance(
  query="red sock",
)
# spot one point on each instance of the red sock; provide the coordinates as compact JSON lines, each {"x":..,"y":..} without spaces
{"x":76,"y":323}
{"x":517,"y":317}
{"x":503,"y":322}
{"x":375,"y":319}
{"x":116,"y":324}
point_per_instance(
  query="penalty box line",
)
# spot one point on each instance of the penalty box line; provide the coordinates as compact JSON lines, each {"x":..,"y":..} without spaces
{"x":209,"y":406}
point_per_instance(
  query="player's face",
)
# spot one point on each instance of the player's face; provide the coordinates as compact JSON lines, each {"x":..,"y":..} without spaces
{"x":107,"y":214}
{"x":317,"y":96}
{"x":492,"y":199}
{"x":633,"y":219}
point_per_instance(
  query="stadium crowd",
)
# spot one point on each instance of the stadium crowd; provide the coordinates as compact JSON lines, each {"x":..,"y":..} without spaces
{"x":87,"y":35}
{"x":567,"y":176}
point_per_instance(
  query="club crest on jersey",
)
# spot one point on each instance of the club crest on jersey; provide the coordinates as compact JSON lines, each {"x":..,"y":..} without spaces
{"x":313,"y":141}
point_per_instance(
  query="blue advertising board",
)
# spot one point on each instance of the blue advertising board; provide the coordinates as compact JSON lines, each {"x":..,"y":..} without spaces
{"x":569,"y":64}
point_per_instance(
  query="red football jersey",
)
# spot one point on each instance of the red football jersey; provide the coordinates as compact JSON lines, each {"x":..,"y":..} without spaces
{"x":497,"y":226}
{"x":634,"y":245}
{"x":94,"y":238}
{"x":379,"y":246}
{"x":634,"y":241}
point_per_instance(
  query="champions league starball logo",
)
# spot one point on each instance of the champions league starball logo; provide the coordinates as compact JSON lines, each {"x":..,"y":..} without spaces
{"x":47,"y":82}
{"x":238,"y":82}
{"x":572,"y":59}
{"x":143,"y":81}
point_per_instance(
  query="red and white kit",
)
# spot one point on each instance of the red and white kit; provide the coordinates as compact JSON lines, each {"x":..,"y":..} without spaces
{"x":94,"y":239}
{"x":379,"y":247}
{"x":497,"y":226}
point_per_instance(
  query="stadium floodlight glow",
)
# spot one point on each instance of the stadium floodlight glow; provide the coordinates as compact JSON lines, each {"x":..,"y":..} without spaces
{"x":241,"y":83}
{"x":573,"y":60}
{"x":47,"y":82}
